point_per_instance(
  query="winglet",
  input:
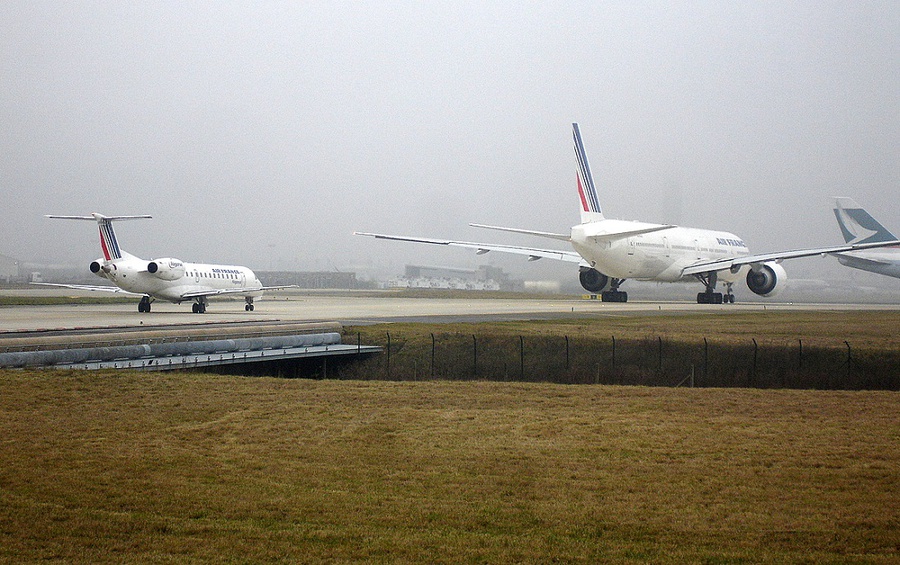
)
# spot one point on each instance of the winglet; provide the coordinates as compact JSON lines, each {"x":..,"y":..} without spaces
{"x":590,"y":204}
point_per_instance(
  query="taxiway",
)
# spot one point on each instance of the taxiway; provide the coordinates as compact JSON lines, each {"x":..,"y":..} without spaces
{"x":362,"y":308}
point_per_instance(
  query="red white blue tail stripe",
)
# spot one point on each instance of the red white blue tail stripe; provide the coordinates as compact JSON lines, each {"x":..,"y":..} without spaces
{"x":108,"y":242}
{"x":590,"y":204}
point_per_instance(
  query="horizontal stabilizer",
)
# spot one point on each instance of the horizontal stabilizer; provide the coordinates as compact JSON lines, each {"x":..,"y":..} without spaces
{"x":559,"y":236}
{"x":99,"y":217}
{"x":622,"y":234}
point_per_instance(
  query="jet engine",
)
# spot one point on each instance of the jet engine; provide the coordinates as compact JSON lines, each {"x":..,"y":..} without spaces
{"x":100,"y":268}
{"x":593,"y":280}
{"x":767,"y":279}
{"x":166,"y":269}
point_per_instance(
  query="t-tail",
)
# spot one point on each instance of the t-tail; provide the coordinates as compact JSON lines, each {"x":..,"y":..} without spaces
{"x":109,"y":245}
{"x":857,"y":225}
{"x":590,"y":204}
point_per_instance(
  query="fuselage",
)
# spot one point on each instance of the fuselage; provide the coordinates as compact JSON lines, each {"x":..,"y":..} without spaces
{"x":882,"y":261}
{"x":174,"y":279}
{"x":659,"y":255}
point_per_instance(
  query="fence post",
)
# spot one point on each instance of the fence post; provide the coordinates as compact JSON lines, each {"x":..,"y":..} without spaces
{"x":659,"y":363}
{"x":849,"y":363}
{"x":567,"y":353}
{"x":432,"y":356}
{"x":753,"y":372}
{"x":522,"y":358}
{"x":389,"y":355}
{"x":706,"y":361}
{"x":474,"y":356}
{"x":614,"y":354}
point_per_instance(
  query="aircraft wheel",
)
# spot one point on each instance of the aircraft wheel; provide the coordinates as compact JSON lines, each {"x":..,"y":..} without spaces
{"x":251,"y":307}
{"x":194,"y":308}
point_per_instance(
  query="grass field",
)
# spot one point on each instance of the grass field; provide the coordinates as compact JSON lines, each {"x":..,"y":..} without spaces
{"x":126,"y":467}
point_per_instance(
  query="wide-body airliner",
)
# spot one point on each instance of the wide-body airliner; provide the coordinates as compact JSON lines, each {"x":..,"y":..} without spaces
{"x":611,"y":251}
{"x":166,"y":279}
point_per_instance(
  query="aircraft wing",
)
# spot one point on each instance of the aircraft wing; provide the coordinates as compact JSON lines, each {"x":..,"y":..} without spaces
{"x":735,"y":263}
{"x":532,"y":253}
{"x":224,"y":291}
{"x":90,"y":287}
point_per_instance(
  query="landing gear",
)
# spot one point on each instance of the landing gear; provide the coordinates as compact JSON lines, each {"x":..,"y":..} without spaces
{"x":729,"y":295}
{"x":249,"y":306}
{"x":710,"y":296}
{"x":199,"y":307}
{"x":614,"y":295}
{"x":144,"y":304}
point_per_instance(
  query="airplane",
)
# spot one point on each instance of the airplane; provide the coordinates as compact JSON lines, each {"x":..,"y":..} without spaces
{"x":166,"y":279}
{"x":858,"y":226}
{"x":608,"y":252}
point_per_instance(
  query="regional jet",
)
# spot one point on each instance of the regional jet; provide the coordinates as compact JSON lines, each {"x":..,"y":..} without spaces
{"x":608,"y":252}
{"x":858,"y":226}
{"x":166,"y":279}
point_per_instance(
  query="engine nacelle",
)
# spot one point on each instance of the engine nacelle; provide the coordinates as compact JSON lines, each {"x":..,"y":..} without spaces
{"x":593,"y":280}
{"x":768,"y":280}
{"x":99,"y":268}
{"x":167,"y":269}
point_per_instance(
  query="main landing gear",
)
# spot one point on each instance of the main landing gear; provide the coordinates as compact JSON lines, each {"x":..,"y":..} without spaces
{"x":249,"y":306}
{"x":614,"y":295}
{"x":710,"y":296}
{"x":144,"y":304}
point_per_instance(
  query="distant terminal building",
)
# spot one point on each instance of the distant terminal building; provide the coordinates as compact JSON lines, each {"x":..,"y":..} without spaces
{"x":9,"y":269}
{"x":482,"y":278}
{"x":313,"y":280}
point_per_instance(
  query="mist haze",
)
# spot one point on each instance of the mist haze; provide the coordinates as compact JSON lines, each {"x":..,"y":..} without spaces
{"x":264,"y":134}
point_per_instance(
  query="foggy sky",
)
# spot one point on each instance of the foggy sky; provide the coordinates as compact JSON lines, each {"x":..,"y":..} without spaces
{"x":265,"y":133}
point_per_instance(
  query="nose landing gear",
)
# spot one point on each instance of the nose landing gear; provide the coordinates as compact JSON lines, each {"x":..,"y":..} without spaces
{"x":199,"y":307}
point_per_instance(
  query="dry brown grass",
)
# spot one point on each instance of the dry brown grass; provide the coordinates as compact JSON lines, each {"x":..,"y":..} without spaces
{"x":125,"y":467}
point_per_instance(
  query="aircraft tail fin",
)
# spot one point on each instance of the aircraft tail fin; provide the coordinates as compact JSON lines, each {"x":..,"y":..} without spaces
{"x":857,"y":225}
{"x":108,"y":242}
{"x":590,"y":204}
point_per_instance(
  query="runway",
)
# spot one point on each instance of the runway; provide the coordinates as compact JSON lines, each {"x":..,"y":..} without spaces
{"x":350,"y":308}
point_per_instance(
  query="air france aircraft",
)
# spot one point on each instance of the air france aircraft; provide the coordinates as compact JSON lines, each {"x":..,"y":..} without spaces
{"x":609,"y":251}
{"x":166,"y":279}
{"x":858,"y":226}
